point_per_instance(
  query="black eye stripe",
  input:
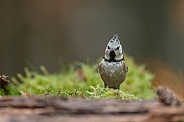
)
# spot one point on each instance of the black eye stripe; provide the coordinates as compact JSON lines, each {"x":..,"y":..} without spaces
{"x":108,"y":47}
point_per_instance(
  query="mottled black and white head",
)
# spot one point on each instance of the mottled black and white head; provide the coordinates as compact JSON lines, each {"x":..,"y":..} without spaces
{"x":113,"y":51}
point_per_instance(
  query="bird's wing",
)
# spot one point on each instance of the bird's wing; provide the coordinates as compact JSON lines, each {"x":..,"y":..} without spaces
{"x":124,"y":66}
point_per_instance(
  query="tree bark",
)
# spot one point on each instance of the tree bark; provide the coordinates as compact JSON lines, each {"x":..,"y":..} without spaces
{"x":55,"y":109}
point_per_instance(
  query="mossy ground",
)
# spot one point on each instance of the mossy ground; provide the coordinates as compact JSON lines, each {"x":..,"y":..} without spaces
{"x":84,"y":82}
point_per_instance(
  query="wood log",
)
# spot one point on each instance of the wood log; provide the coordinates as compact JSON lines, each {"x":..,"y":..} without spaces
{"x":47,"y":109}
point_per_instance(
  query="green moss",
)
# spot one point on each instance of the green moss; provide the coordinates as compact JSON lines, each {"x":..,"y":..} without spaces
{"x":69,"y":84}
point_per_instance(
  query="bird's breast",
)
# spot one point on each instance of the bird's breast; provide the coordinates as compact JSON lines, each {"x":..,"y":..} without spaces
{"x":112,"y":73}
{"x":113,"y":66}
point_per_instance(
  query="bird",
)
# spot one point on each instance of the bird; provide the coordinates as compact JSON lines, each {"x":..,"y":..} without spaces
{"x":113,"y":68}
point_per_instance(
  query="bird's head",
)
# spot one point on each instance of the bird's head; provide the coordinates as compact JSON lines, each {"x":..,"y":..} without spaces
{"x":113,"y":50}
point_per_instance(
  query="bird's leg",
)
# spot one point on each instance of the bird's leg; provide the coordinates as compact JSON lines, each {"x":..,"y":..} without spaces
{"x":118,"y":87}
{"x":105,"y":85}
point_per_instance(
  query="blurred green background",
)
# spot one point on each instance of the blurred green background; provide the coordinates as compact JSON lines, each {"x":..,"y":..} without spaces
{"x":49,"y":32}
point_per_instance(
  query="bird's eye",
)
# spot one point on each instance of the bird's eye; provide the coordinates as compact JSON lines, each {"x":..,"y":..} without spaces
{"x":108,"y":47}
{"x":117,"y":48}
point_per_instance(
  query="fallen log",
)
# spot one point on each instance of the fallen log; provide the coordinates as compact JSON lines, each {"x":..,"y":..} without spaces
{"x":46,"y":109}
